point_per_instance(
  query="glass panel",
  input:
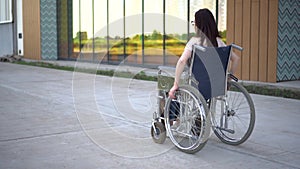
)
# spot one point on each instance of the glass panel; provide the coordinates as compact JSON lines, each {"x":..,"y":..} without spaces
{"x":100,"y":29}
{"x":176,"y":29}
{"x":222,"y":15}
{"x":116,"y":31}
{"x":222,"y":19}
{"x":76,"y":28}
{"x":86,"y":29}
{"x":133,"y":31}
{"x":153,"y":30}
{"x":62,"y":28}
{"x":5,"y":11}
{"x":195,"y":5}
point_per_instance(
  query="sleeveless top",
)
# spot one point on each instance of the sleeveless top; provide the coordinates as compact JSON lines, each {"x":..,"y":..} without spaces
{"x":196,"y":40}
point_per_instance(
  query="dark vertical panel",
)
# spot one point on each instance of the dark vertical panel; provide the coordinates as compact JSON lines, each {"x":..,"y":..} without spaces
{"x":143,"y":32}
{"x":62,"y":29}
{"x":93,"y":29}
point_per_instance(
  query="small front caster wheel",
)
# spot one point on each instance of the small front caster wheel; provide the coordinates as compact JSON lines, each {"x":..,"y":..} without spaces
{"x":158,"y":132}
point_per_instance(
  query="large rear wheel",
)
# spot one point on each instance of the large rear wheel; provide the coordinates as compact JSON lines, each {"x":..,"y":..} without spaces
{"x":233,"y":115}
{"x":186,"y":119}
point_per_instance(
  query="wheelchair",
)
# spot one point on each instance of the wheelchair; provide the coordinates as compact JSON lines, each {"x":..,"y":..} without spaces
{"x":209,"y":99}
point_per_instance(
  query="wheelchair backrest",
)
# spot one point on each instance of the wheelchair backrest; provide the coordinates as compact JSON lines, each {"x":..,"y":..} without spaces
{"x":209,"y":69}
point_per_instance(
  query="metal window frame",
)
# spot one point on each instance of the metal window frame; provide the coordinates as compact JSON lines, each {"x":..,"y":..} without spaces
{"x":7,"y":12}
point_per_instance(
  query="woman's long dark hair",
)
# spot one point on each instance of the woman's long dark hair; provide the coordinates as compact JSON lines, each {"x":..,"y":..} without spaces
{"x":206,"y":24}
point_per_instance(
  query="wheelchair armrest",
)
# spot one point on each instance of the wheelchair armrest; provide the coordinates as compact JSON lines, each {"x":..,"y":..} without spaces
{"x":236,"y":47}
{"x":233,"y":77}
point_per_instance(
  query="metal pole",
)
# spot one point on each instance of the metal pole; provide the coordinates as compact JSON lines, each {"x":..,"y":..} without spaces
{"x":93,"y":20}
{"x":164,"y":32}
{"x":80,"y":54}
{"x":143,"y":32}
{"x":107,"y":30}
{"x":124,"y":33}
{"x":188,"y":19}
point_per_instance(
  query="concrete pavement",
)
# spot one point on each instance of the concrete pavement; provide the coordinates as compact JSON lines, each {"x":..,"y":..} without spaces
{"x":291,"y":85}
{"x":59,"y":119}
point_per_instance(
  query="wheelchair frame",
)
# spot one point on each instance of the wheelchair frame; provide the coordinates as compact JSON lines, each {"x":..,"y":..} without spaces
{"x":197,"y":115}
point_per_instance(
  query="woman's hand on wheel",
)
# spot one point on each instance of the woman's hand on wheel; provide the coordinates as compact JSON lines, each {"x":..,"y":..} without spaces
{"x":172,"y":91}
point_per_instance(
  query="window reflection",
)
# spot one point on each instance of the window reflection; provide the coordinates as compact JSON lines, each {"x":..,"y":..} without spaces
{"x":100,"y":29}
{"x":83,"y":43}
{"x":195,"y":5}
{"x":222,"y":15}
{"x":76,"y":29}
{"x":118,"y":30}
{"x":153,"y":31}
{"x":222,"y":11}
{"x":115,"y":31}
{"x":133,"y":31}
{"x":176,"y":29}
{"x":64,"y":28}
{"x":86,"y":27}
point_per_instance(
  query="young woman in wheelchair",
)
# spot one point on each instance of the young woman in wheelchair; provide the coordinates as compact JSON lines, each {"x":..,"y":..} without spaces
{"x":193,"y":109}
{"x":207,"y":34}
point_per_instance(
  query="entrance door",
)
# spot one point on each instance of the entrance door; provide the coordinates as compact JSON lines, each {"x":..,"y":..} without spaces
{"x":20,"y":27}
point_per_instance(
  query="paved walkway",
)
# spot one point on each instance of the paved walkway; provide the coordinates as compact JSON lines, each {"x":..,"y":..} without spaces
{"x":59,"y":119}
{"x":293,"y":85}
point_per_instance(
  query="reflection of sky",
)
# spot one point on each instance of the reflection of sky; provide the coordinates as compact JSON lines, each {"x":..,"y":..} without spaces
{"x":177,"y":8}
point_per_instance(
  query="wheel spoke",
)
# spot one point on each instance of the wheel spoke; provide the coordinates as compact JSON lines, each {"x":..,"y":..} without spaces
{"x":188,"y":106}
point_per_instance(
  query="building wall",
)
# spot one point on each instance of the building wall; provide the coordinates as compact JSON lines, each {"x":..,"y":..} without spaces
{"x":288,"y":65}
{"x":252,"y":24}
{"x":6,"y":39}
{"x":268,"y":30}
{"x":40,"y":30}
{"x":48,"y":14}
{"x":31,"y":29}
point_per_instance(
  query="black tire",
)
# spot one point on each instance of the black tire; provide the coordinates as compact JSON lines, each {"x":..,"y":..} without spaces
{"x":159,"y":134}
{"x":191,"y":110}
{"x":239,"y":116}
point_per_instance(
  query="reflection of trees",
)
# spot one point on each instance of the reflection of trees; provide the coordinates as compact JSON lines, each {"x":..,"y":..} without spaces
{"x":174,"y":42}
{"x":154,"y":36}
{"x":223,"y":35}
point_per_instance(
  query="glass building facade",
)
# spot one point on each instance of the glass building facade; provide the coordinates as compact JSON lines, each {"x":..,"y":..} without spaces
{"x":142,"y":32}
